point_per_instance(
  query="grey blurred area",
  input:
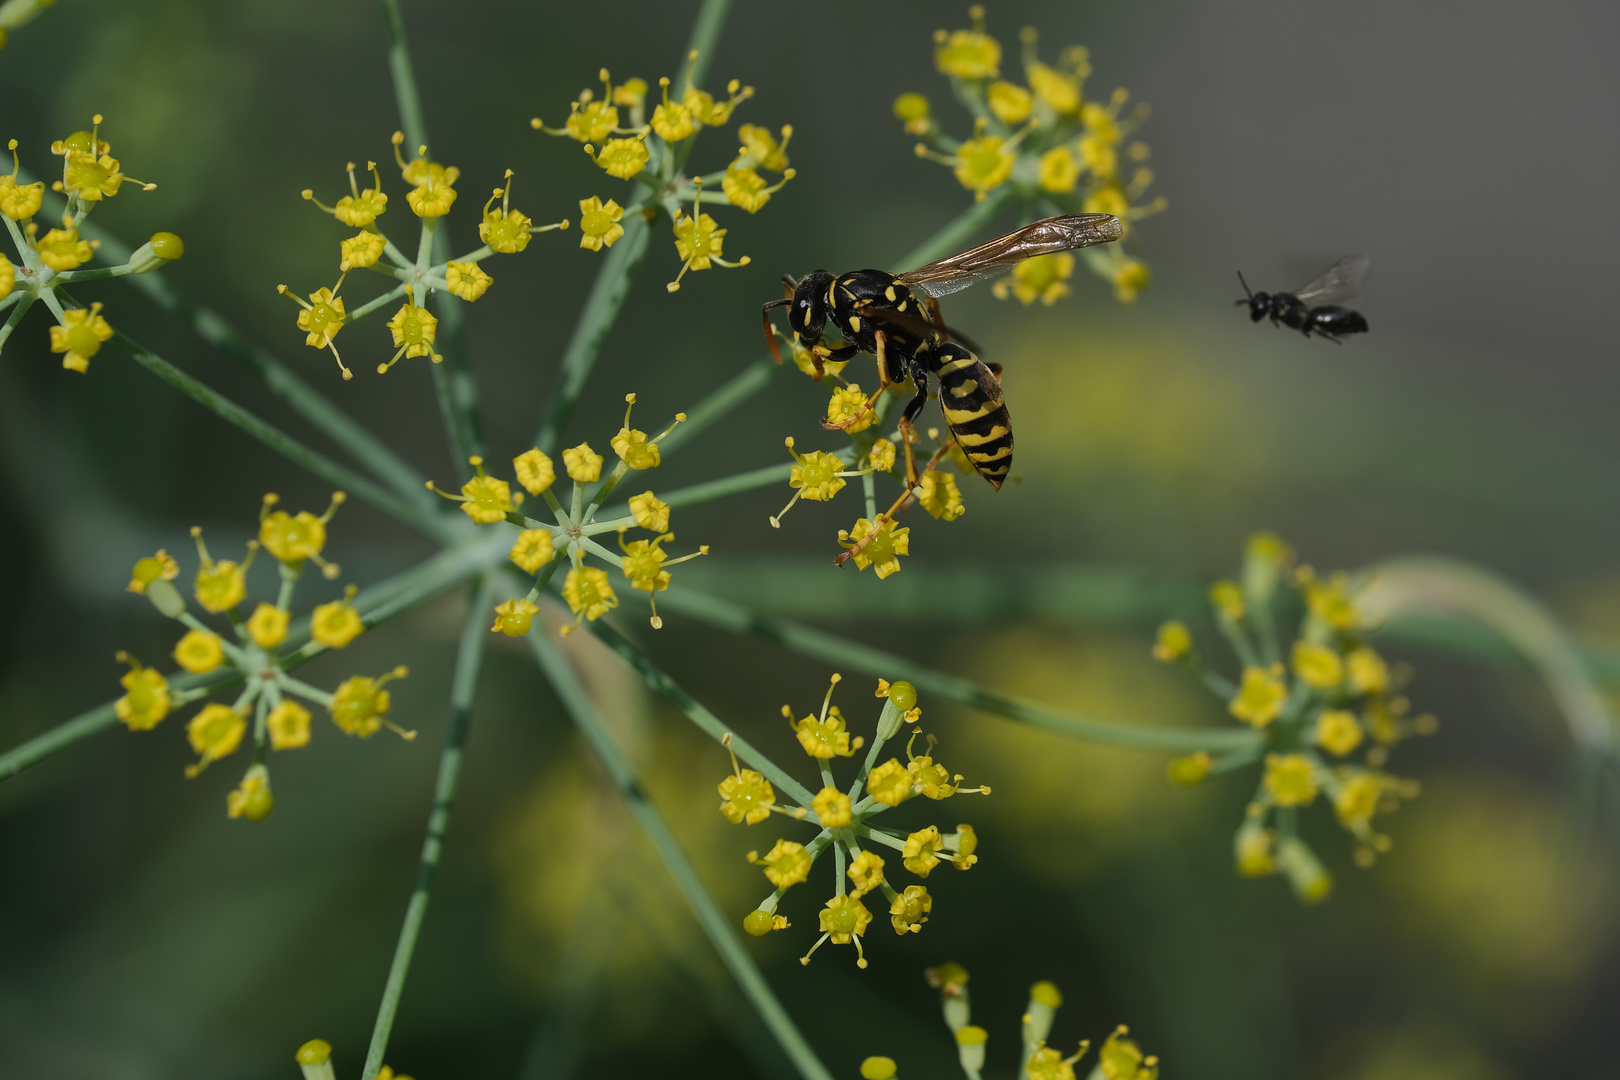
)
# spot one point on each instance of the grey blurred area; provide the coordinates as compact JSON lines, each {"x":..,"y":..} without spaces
{"x":1469,"y":149}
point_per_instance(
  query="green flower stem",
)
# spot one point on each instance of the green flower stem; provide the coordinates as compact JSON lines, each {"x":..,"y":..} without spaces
{"x":278,"y":377}
{"x":619,"y":268}
{"x":452,"y":379}
{"x":375,"y":605}
{"x":736,"y":390}
{"x":708,"y":913}
{"x":306,"y":691}
{"x":596,"y":319}
{"x":469,"y":658}
{"x":851,"y":655}
{"x":16,"y":317}
{"x":698,"y":494}
{"x":956,"y":234}
{"x":98,"y":273}
{"x":710,"y":724}
{"x":1427,"y":586}
{"x":410,"y":513}
{"x":372,"y":305}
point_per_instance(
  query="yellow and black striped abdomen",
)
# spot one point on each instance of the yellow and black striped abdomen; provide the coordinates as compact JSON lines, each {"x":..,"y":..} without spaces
{"x":970,"y":395}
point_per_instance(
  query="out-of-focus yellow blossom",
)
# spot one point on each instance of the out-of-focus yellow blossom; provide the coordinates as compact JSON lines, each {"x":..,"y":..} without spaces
{"x":1058,"y":172}
{"x":288,"y":725}
{"x":938,"y":494}
{"x":199,"y":652}
{"x":1010,"y":103}
{"x":146,"y":696}
{"x":337,"y":623}
{"x":515,"y":617}
{"x":219,"y":586}
{"x":80,"y":336}
{"x":360,"y":705}
{"x":914,"y":110}
{"x":268,"y":625}
{"x":1290,"y":779}
{"x":214,"y":732}
{"x":1337,"y":731}
{"x":161,"y":566}
{"x":1174,"y":642}
{"x":1317,"y":665}
{"x":968,"y":54}
{"x":1260,"y":697}
{"x":759,"y":144}
{"x":1044,"y":278}
{"x":251,"y":799}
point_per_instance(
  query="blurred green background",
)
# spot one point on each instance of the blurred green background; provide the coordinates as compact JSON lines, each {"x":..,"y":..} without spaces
{"x":1468,"y":148}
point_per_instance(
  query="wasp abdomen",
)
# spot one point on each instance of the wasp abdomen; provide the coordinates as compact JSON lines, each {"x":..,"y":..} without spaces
{"x":970,"y":396}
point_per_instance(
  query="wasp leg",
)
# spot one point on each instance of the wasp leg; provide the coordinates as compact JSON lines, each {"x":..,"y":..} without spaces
{"x":820,"y":355}
{"x":995,"y":369}
{"x":883,"y":384}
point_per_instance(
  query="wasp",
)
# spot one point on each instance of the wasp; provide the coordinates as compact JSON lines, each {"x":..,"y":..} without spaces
{"x":1316,"y":308}
{"x":896,"y":318}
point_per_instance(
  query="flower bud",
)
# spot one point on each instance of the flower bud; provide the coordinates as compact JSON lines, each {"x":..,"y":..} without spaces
{"x":164,"y":247}
{"x":1190,"y":771}
{"x":878,"y":1068}
{"x":1311,"y":881}
{"x":166,"y":598}
{"x":970,"y":1042}
{"x":315,"y":1058}
{"x":1044,"y":999}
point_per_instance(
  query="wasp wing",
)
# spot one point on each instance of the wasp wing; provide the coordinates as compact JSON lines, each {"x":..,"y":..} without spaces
{"x":1338,"y":283}
{"x":1046,"y":237}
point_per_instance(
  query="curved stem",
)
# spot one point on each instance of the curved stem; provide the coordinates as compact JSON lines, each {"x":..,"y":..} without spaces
{"x":1417,"y":586}
{"x":851,"y":655}
{"x":464,"y":685}
{"x":709,"y":916}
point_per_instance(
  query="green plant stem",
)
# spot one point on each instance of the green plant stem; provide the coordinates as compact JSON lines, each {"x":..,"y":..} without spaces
{"x":408,"y":513}
{"x":463,"y":687}
{"x":452,"y":378}
{"x":860,"y":657}
{"x":710,"y":724}
{"x":956,"y":234}
{"x":596,"y":320}
{"x":733,"y":392}
{"x":302,"y":398}
{"x":375,"y":605}
{"x":623,"y":260}
{"x":709,"y":491}
{"x":1398,"y":588}
{"x":708,"y":913}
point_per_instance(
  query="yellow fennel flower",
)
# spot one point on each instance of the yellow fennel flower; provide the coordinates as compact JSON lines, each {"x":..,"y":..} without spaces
{"x":146,"y":696}
{"x":214,"y":732}
{"x":531,"y":550}
{"x":337,"y":623}
{"x":199,"y":652}
{"x":288,"y":724}
{"x":80,"y":336}
{"x":466,"y":280}
{"x":968,"y":54}
{"x":599,"y":223}
{"x":1260,"y":697}
{"x":786,"y":864}
{"x":515,"y":617}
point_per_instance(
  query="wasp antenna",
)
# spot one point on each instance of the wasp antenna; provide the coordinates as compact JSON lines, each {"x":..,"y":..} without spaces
{"x":1247,"y":292}
{"x":790,"y":282}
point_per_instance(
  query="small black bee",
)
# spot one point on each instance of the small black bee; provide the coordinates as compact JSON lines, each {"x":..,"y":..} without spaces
{"x":896,"y":318}
{"x":1316,"y":308}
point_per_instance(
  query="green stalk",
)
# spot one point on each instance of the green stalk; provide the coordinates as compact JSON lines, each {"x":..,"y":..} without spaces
{"x":452,"y":379}
{"x":710,"y":724}
{"x":736,"y":390}
{"x":708,"y":913}
{"x":376,"y":605}
{"x":851,"y":655}
{"x":596,"y":319}
{"x":415,"y":516}
{"x":619,"y":268}
{"x":709,"y":491}
{"x":956,"y":234}
{"x":469,"y":657}
{"x":302,"y":398}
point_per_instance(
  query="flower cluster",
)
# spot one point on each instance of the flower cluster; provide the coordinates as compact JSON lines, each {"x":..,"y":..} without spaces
{"x":876,"y":540}
{"x":253,"y":653}
{"x":1334,"y":697}
{"x":540,"y":547}
{"x":1060,"y":152}
{"x":1119,"y":1058}
{"x":90,"y":174}
{"x":430,"y":195}
{"x":653,"y":153}
{"x":846,"y":819}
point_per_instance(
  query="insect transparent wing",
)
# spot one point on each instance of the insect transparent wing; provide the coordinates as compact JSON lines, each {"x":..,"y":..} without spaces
{"x":937,"y":289}
{"x":1339,"y":283}
{"x":1065,"y":233}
